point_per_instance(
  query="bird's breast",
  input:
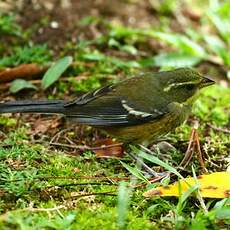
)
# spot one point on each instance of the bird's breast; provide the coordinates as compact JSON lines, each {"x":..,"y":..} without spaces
{"x":149,"y":131}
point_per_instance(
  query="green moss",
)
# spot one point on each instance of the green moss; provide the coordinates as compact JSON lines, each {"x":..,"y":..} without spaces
{"x":213,"y":105}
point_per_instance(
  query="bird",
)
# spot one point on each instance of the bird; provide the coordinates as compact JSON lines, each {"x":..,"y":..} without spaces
{"x":138,"y":110}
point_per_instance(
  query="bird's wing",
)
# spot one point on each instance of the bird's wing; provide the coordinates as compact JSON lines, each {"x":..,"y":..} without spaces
{"x":90,"y":96}
{"x":106,"y":107}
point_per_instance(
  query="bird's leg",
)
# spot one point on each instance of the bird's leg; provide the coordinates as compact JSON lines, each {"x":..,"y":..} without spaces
{"x":150,"y":171}
{"x":199,"y":153}
{"x":189,"y":152}
{"x":194,"y":145}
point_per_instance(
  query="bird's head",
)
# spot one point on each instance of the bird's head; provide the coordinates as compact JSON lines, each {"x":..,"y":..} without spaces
{"x":182,"y":85}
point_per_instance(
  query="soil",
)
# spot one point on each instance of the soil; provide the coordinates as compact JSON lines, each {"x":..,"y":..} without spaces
{"x":57,"y":21}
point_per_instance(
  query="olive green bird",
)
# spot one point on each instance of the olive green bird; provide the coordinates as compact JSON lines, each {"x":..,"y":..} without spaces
{"x":136,"y":110}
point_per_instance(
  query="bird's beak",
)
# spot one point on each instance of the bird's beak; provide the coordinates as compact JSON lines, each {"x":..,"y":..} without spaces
{"x":206,"y":81}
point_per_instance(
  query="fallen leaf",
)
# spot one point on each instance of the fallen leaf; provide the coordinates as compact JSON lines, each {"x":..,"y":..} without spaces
{"x":214,"y":185}
{"x":42,"y":126}
{"x":193,"y":14}
{"x":24,"y":71}
{"x":107,"y":148}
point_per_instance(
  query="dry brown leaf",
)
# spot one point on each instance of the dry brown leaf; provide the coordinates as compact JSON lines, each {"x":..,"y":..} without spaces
{"x":107,"y":148}
{"x":42,"y":126}
{"x":24,"y":71}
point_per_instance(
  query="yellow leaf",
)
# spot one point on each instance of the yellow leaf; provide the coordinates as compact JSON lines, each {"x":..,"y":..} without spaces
{"x":214,"y":185}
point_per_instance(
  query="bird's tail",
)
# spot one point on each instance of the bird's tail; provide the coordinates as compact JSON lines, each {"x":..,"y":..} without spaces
{"x":28,"y":106}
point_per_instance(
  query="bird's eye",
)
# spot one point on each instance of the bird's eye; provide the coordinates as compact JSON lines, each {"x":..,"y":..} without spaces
{"x":190,"y":87}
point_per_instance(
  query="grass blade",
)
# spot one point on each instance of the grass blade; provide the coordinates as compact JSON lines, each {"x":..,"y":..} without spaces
{"x":155,"y":160}
{"x":134,"y":171}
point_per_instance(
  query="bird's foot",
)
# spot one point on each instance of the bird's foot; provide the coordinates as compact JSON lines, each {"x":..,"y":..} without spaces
{"x":164,"y":147}
{"x":147,"y":169}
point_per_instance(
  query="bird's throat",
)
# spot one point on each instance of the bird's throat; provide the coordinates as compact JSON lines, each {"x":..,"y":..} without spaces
{"x":191,"y":100}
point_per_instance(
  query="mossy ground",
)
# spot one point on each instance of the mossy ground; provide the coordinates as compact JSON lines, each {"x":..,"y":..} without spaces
{"x":50,"y":187}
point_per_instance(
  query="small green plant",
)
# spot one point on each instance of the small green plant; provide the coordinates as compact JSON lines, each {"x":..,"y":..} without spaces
{"x":8,"y":25}
{"x":55,"y":71}
{"x":28,"y":54}
{"x":20,"y":84}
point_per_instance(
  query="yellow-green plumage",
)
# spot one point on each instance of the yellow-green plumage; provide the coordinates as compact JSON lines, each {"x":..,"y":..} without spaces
{"x":139,"y":109}
{"x":151,"y":131}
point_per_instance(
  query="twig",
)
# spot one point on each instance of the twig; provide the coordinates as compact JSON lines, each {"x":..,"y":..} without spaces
{"x":106,"y":146}
{"x":75,"y":178}
{"x":86,"y":178}
{"x":70,"y":141}
{"x":219,"y":129}
{"x":84,"y":147}
{"x":80,"y":147}
{"x":57,"y":135}
{"x":31,"y":209}
{"x":111,"y":193}
{"x":3,"y":134}
{"x":43,"y":209}
{"x":5,"y":145}
{"x":79,"y":184}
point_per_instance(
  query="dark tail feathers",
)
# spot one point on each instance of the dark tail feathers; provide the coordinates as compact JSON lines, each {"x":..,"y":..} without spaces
{"x":52,"y":106}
